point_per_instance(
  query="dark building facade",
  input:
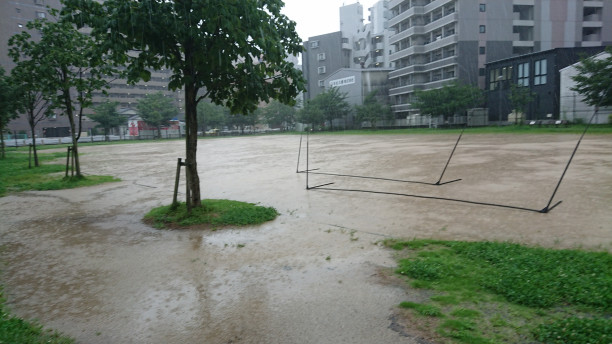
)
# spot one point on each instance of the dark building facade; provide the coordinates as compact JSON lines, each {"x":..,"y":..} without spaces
{"x":539,"y":72}
{"x":322,"y":56}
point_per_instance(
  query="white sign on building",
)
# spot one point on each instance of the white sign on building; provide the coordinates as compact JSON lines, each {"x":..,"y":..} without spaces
{"x":342,"y":82}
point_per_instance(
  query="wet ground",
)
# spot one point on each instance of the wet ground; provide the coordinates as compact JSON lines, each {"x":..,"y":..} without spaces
{"x":81,"y":261}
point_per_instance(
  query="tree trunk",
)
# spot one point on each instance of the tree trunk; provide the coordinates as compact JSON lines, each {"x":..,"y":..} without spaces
{"x":32,"y":128}
{"x":191,"y":139}
{"x":73,"y":134}
{"x":2,"y":152}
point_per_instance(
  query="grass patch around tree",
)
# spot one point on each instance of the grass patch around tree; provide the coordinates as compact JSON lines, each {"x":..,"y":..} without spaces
{"x":487,"y":292}
{"x":15,"y":175}
{"x":214,"y":213}
{"x":17,"y":330}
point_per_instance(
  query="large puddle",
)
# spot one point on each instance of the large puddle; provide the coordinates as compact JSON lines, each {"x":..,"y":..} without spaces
{"x":82,"y":262}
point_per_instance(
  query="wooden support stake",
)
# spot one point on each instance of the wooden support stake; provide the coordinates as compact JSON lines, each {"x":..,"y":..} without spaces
{"x":176,"y":182}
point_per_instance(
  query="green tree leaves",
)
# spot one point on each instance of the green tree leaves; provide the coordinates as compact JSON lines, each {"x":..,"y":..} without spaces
{"x":325,"y":107}
{"x":232,"y":52}
{"x":279,"y":115}
{"x":62,"y":68}
{"x":156,"y":110}
{"x":372,"y":110}
{"x":593,"y":80}
{"x":447,"y":101}
{"x":107,"y":117}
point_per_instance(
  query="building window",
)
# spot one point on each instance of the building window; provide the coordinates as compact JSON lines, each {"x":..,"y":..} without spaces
{"x":345,"y":40}
{"x":18,"y":10}
{"x":483,"y":7}
{"x":482,"y":29}
{"x":321,"y":83}
{"x":481,"y":71}
{"x":314,"y":44}
{"x":39,"y":2}
{"x":40,"y":15}
{"x":482,"y":50}
{"x":523,"y":74}
{"x":539,"y":75}
{"x":321,"y":70}
{"x":321,"y":56}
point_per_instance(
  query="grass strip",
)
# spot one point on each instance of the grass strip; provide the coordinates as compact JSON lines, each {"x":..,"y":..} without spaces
{"x":17,"y":330}
{"x":15,"y":176}
{"x":214,"y":213}
{"x":504,"y":292}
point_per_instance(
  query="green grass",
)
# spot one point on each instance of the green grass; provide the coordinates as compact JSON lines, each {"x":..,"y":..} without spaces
{"x":212,"y":214}
{"x":503,"y":292}
{"x":422,"y":309}
{"x":15,"y":175}
{"x":16,"y":330}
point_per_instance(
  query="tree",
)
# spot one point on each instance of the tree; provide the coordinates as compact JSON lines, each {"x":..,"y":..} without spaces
{"x":593,"y":80}
{"x":216,"y":52}
{"x":211,"y":115}
{"x":8,"y":109}
{"x":311,"y":114}
{"x":107,"y":117}
{"x":156,"y":110}
{"x":30,"y":97}
{"x":372,"y":110}
{"x":279,"y":115}
{"x":520,"y":97}
{"x":332,"y":104}
{"x":449,"y":100}
{"x":69,"y":67}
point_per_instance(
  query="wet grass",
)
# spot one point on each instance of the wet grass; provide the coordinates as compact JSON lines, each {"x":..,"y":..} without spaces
{"x":15,"y":175}
{"x":213,"y":214}
{"x":17,"y":330}
{"x":486,"y":292}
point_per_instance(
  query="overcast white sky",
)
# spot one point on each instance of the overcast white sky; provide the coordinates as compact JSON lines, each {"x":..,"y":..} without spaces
{"x":317,"y":17}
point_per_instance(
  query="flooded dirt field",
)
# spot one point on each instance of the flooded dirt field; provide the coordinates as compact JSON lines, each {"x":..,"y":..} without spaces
{"x":81,"y":261}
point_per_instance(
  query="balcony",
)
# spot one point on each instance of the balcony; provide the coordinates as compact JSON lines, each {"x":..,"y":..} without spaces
{"x":406,"y":70}
{"x":518,"y":22}
{"x":437,"y":44}
{"x":593,"y":3}
{"x":453,"y":17}
{"x":519,"y":43}
{"x":415,"y":49}
{"x":407,"y":14}
{"x":401,"y":107}
{"x":434,"y":4}
{"x":415,"y":30}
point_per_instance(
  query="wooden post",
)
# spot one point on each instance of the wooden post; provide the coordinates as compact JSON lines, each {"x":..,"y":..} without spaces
{"x":176,"y":182}
{"x":72,"y":162}
{"x":68,"y":160}
{"x":30,"y":156}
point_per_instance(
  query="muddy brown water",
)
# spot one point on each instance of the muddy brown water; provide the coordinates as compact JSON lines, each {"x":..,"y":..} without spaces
{"x":81,"y":261}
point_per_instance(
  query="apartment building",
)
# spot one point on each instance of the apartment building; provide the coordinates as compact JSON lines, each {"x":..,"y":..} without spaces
{"x":15,"y":14}
{"x":355,"y":46}
{"x":437,"y":41}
